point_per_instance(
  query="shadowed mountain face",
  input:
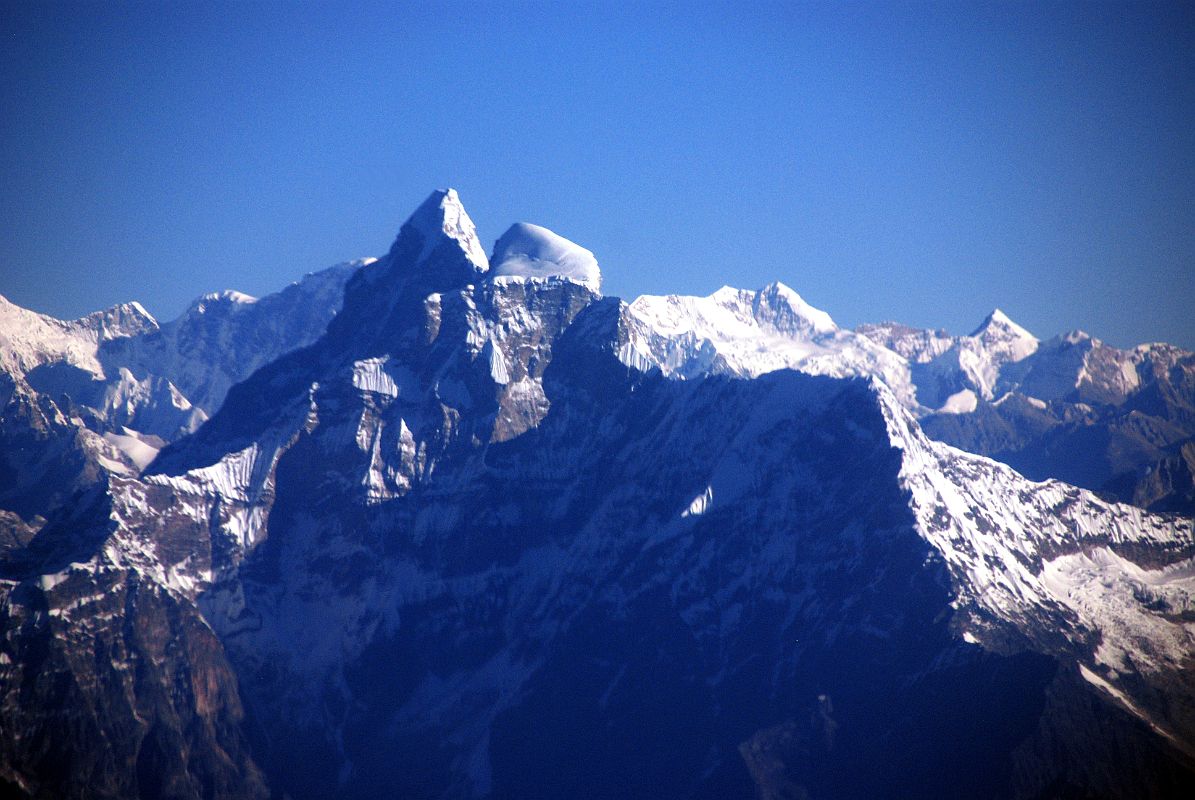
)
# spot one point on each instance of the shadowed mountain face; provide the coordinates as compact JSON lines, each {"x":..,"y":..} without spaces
{"x":471,"y":542}
{"x":586,"y":633}
{"x":1144,"y":457}
{"x":1120,"y":422}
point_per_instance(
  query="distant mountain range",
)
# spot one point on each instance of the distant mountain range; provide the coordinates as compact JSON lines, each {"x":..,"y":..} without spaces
{"x":450,"y":524}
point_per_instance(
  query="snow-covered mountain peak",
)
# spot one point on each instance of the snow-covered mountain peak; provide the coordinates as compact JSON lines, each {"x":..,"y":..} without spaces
{"x":726,"y":294}
{"x":978,"y":359}
{"x":997,"y":326}
{"x":120,"y":321}
{"x":136,"y":308}
{"x":776,"y":308}
{"x":996,"y":317}
{"x":1077,"y":337}
{"x":788,"y":312}
{"x":531,"y":251}
{"x":748,"y":333}
{"x":440,"y":217}
{"x":228,"y":298}
{"x":29,"y":339}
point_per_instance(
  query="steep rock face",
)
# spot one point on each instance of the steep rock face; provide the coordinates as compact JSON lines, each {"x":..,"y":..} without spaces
{"x":111,"y":683}
{"x":608,"y":604}
{"x":1168,"y":486}
{"x":463,"y":370}
{"x":421,"y":362}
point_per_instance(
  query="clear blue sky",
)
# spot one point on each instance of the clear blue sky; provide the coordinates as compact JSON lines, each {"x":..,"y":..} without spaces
{"x":915,"y":162}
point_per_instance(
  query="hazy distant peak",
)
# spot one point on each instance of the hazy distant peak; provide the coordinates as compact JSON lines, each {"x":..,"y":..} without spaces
{"x":228,"y":298}
{"x":998,"y":322}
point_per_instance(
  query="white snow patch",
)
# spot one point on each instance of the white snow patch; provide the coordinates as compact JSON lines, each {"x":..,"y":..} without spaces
{"x":370,"y":376}
{"x":1104,"y":591}
{"x":129,"y":442}
{"x":1097,"y":681}
{"x":498,"y":370}
{"x":529,"y":251}
{"x":48,"y":582}
{"x":701,"y":503}
{"x":963,"y":402}
{"x":112,"y":466}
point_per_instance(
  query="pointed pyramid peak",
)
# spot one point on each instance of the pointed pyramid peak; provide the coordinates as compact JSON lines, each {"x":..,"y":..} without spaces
{"x":999,"y":340}
{"x":779,"y":290}
{"x":730,"y":294}
{"x":437,"y":250}
{"x":800,"y":314}
{"x":998,"y":321}
{"x":119,"y":321}
{"x":441,"y":218}
{"x":532,"y":251}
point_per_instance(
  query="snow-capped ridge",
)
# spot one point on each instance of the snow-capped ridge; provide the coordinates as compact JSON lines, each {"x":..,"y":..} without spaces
{"x":917,"y":345}
{"x":748,"y":333}
{"x":532,"y":251}
{"x":136,"y":308}
{"x":29,"y":339}
{"x":1024,"y":553}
